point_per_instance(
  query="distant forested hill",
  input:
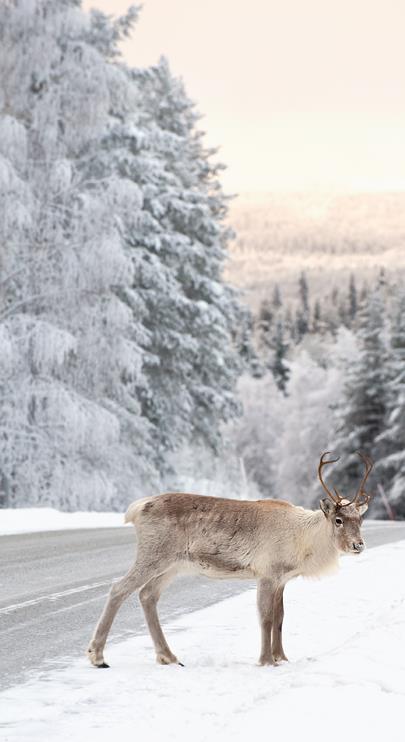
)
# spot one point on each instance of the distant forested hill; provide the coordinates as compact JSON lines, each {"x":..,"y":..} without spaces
{"x":328,"y":236}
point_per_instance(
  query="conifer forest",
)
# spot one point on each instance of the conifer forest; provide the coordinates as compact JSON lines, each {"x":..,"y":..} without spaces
{"x":130,"y":360}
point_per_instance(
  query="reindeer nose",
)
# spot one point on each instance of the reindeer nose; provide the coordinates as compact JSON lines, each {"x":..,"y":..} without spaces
{"x":359,"y":546}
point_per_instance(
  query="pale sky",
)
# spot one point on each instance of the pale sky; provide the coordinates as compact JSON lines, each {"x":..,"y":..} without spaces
{"x":297,"y":94}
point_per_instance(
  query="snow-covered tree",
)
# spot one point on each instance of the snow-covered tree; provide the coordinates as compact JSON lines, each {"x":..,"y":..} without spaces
{"x":116,"y":329}
{"x":276,"y":299}
{"x":302,"y":314}
{"x":279,"y":367}
{"x":391,"y":462}
{"x":265,"y":322}
{"x":253,"y":438}
{"x":245,"y":343}
{"x":307,"y":426}
{"x":191,"y":365}
{"x":72,"y":429}
{"x":361,"y":414}
{"x":353,"y":300}
{"x":317,"y":317}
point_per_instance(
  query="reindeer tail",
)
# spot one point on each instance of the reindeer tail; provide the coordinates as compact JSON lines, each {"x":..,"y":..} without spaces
{"x":135,"y":509}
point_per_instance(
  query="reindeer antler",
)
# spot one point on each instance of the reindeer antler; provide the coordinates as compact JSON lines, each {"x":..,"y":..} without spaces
{"x":336,"y":497}
{"x":368,"y":462}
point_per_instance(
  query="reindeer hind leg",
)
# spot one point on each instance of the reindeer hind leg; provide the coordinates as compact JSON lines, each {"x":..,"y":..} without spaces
{"x":142,"y":571}
{"x":149,"y":596}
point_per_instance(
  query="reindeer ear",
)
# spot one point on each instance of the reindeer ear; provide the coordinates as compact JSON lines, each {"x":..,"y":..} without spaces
{"x":362,"y":508}
{"x":327,"y":506}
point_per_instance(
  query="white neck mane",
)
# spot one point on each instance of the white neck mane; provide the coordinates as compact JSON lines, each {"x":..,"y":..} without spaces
{"x":319,"y":554}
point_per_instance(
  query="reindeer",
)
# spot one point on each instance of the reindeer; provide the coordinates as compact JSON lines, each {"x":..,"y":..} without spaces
{"x":271,"y":541}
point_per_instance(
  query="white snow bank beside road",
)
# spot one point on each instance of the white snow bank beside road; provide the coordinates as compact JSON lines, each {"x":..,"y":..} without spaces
{"x":33,"y":520}
{"x":344,"y":636}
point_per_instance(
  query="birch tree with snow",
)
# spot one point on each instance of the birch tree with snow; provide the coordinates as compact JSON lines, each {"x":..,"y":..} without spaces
{"x":102,"y":337}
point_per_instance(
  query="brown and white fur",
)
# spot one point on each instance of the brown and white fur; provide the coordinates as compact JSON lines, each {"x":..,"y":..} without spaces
{"x":270,"y":541}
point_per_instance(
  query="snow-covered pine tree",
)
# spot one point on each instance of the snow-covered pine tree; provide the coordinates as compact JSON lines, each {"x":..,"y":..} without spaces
{"x":343,"y":313}
{"x":353,"y":300}
{"x":365,"y":290}
{"x":265,"y":320}
{"x":334,"y":296}
{"x":317,"y":317}
{"x":191,"y":366}
{"x":276,"y":299}
{"x":391,"y":442}
{"x":361,"y":416}
{"x":302,"y":313}
{"x":269,"y":316}
{"x":245,"y":343}
{"x":289,"y":325}
{"x":280,"y":368}
{"x":331,"y":311}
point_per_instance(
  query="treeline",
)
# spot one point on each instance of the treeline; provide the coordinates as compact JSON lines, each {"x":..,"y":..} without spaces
{"x":266,"y":339}
{"x":116,"y":329}
{"x":332,"y":375}
{"x":319,"y":224}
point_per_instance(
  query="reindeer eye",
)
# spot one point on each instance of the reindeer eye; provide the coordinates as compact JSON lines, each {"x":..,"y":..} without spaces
{"x":338,"y":521}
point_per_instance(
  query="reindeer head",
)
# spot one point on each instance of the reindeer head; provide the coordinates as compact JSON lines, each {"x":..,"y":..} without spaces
{"x":345,"y":515}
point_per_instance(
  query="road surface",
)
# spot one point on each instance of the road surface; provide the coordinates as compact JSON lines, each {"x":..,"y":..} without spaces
{"x":53,"y":586}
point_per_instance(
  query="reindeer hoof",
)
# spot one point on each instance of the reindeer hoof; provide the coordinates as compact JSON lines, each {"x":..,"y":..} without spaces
{"x":264,"y":661}
{"x":96,"y":658}
{"x":167,"y":659}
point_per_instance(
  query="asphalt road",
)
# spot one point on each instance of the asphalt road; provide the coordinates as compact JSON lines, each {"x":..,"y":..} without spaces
{"x":53,"y":586}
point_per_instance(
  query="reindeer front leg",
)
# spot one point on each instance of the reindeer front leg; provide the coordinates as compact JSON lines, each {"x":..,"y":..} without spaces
{"x":278,"y":615}
{"x":265,"y":604}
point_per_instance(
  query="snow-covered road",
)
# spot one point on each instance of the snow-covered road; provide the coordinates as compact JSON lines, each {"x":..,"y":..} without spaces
{"x":346,"y":678}
{"x":53,"y":586}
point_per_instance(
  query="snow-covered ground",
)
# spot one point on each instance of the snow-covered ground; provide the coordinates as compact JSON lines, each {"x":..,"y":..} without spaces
{"x":346,"y":678}
{"x":30,"y":520}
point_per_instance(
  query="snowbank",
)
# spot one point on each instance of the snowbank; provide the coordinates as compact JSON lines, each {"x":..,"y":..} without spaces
{"x":346,"y":676}
{"x":30,"y":520}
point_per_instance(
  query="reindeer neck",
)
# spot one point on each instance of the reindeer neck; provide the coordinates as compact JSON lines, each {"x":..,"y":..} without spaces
{"x":319,"y":554}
